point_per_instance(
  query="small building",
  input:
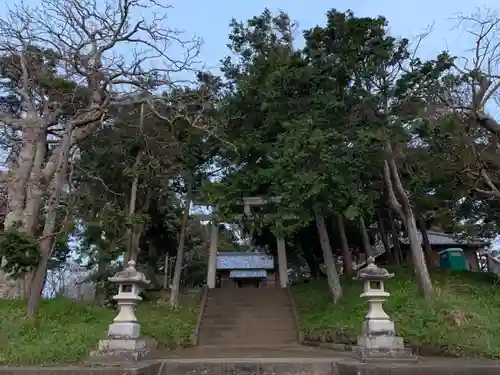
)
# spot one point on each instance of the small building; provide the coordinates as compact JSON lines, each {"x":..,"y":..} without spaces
{"x":245,"y":270}
{"x":440,"y":241}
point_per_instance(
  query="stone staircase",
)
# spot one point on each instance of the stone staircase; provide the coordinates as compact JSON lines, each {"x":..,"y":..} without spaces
{"x":248,"y":317}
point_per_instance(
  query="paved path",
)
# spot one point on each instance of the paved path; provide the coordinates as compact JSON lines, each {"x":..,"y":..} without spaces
{"x":290,"y":352}
{"x":295,"y":351}
{"x":218,"y":360}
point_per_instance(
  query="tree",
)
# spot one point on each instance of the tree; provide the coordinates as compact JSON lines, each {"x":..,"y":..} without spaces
{"x":465,"y":96}
{"x":384,"y":83}
{"x":49,"y":55}
{"x":324,"y":118}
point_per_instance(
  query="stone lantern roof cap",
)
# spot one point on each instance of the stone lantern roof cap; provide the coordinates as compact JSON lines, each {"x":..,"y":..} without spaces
{"x":373,"y":272}
{"x":130,"y":275}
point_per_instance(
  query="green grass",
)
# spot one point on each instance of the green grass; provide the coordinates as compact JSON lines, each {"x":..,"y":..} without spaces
{"x":67,"y":331}
{"x":463,"y":320}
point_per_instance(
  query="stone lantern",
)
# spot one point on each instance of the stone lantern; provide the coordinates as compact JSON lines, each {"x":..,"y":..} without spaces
{"x":123,"y":341}
{"x":379,"y":338}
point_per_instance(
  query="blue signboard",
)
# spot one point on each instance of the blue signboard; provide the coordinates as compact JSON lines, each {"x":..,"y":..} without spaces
{"x":248,"y":273}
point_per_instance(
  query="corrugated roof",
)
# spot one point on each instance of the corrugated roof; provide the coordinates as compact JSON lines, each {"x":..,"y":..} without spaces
{"x":232,"y":261}
{"x":441,"y":238}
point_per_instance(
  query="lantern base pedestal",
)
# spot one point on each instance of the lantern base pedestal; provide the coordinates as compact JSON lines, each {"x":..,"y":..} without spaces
{"x":382,"y":347}
{"x":124,"y":331}
{"x":379,"y":327}
{"x":122,"y":350}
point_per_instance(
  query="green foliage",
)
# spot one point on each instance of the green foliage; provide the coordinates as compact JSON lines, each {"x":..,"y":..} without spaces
{"x":131,"y":220}
{"x":351,"y":212}
{"x":20,"y":252}
{"x":42,"y":64}
{"x":67,"y":331}
{"x":463,"y":320}
{"x":170,"y":327}
{"x":105,"y":288}
{"x":315,"y":134}
{"x":311,"y":125}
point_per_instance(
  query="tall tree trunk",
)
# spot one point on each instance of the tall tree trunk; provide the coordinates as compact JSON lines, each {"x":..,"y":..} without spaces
{"x":35,"y":189}
{"x":36,"y":185}
{"x":102,"y":264}
{"x":176,"y":280}
{"x":344,"y":246}
{"x":366,"y":238}
{"x":425,"y":240}
{"x":166,"y":279}
{"x":312,"y":262}
{"x":18,"y":177}
{"x":47,"y":240}
{"x":152,"y":273}
{"x":331,"y":270}
{"x":400,"y":203}
{"x":398,"y":254}
{"x":384,"y":238}
{"x":17,"y":191}
{"x":135,"y":239}
{"x":130,"y":253}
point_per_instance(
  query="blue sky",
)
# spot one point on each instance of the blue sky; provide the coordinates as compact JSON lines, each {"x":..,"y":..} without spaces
{"x":210,"y":19}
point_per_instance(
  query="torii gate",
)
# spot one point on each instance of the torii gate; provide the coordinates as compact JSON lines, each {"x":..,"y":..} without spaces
{"x":247,"y":203}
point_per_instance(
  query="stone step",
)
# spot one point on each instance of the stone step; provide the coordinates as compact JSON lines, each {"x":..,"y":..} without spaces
{"x":219,"y":330}
{"x":249,"y":302}
{"x":242,"y":329}
{"x":218,"y":320}
{"x":210,"y":342}
{"x":241,"y":339}
{"x":248,"y":320}
{"x":240,"y":293}
{"x":251,"y":323}
{"x":259,"y":313}
{"x":246,"y":334}
{"x":248,"y":317}
{"x":250,"y":326}
{"x":255,"y":308}
{"x":239,"y":326}
{"x":247,"y":341}
{"x":249,"y":344}
{"x":244,"y":295}
{"x":262,"y":305}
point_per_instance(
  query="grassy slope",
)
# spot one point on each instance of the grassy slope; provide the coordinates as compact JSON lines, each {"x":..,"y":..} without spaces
{"x":463,"y":320}
{"x":67,"y":331}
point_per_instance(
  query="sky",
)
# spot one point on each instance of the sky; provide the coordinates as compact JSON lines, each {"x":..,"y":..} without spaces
{"x":210,"y":19}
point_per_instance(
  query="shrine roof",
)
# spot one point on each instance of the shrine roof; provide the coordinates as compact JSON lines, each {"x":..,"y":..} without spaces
{"x":437,"y":238}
